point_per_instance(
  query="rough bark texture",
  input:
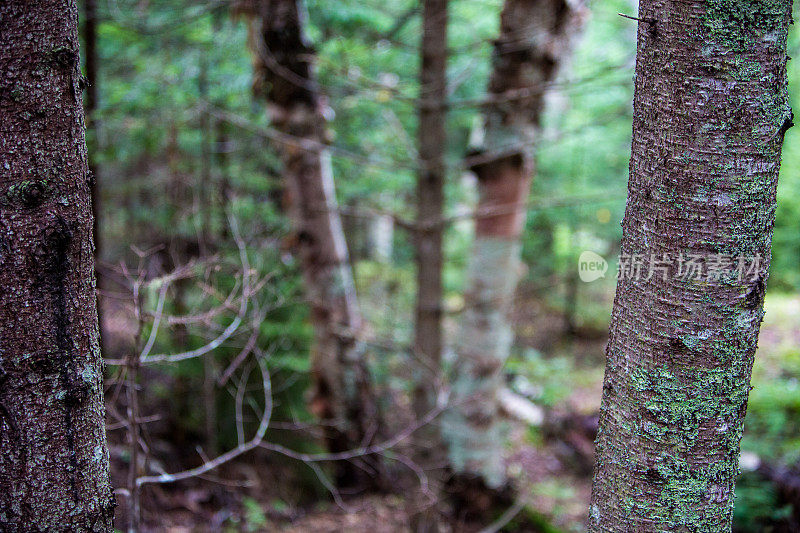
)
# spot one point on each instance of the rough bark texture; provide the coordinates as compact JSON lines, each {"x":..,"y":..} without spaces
{"x":342,"y":392}
{"x":535,"y":38}
{"x":710,"y":111}
{"x":53,"y":455}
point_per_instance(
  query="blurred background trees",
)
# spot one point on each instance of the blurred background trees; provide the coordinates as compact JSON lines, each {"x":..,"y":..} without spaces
{"x":200,"y":255}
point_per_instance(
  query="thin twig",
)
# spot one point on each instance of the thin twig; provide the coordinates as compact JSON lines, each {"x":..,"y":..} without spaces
{"x":232,"y":454}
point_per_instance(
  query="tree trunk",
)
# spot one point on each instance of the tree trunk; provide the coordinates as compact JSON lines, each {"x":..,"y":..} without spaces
{"x":432,"y":139}
{"x":206,"y":242}
{"x":342,"y":391}
{"x":430,"y":200}
{"x":535,"y":38}
{"x":710,"y":111}
{"x":93,"y":141}
{"x":203,"y":189}
{"x":54,"y":460}
{"x":430,"y":194}
{"x":92,"y":124}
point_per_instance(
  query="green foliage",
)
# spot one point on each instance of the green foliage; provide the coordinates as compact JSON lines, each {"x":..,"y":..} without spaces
{"x":153,"y":129}
{"x":757,"y":506}
{"x":255,"y":518}
{"x":554,"y":378}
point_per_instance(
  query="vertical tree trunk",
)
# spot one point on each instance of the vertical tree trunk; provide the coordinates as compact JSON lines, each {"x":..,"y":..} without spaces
{"x":203,"y":194}
{"x":430,"y":191}
{"x":380,"y":238}
{"x":534,"y":40}
{"x":284,"y":71}
{"x":207,"y":241}
{"x":93,"y":139}
{"x":53,"y":458}
{"x":92,"y":125}
{"x":710,"y":111}
{"x":432,"y":140}
{"x":223,"y":185}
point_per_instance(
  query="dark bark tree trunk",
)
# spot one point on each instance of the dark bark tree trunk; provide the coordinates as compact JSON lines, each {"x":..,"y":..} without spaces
{"x":284,"y":73}
{"x":53,"y":455}
{"x":223,"y":186}
{"x":430,"y":200}
{"x":432,"y":140}
{"x":203,"y":194}
{"x":92,"y":123}
{"x":206,"y":242}
{"x":710,"y":111}
{"x":535,"y":38}
{"x":93,"y":138}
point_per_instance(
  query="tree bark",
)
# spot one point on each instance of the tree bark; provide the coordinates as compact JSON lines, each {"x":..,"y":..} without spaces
{"x":92,"y":123}
{"x":53,"y":455}
{"x":710,"y":111}
{"x":432,"y":140}
{"x":535,"y":39}
{"x":430,"y":185}
{"x":93,"y":140}
{"x":284,"y":72}
{"x":429,"y":259}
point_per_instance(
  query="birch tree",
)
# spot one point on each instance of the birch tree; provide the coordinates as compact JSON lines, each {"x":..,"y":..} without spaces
{"x":285,"y":75}
{"x":710,"y":112}
{"x":535,"y":38}
{"x":53,"y":455}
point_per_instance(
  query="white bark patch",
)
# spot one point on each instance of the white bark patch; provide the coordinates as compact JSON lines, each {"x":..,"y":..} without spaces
{"x":472,"y":427}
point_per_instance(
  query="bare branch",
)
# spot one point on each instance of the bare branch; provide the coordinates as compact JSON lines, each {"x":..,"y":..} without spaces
{"x":231,"y":329}
{"x":232,"y":454}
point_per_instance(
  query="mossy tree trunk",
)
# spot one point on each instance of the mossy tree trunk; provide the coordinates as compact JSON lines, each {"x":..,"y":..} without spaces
{"x":53,"y":455}
{"x":535,"y":39}
{"x":710,"y":112}
{"x":284,"y":73}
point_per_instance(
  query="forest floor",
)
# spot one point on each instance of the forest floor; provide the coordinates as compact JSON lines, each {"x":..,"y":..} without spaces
{"x":554,"y":460}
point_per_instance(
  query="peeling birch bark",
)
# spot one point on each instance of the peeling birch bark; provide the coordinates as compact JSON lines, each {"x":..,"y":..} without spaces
{"x":535,"y":39}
